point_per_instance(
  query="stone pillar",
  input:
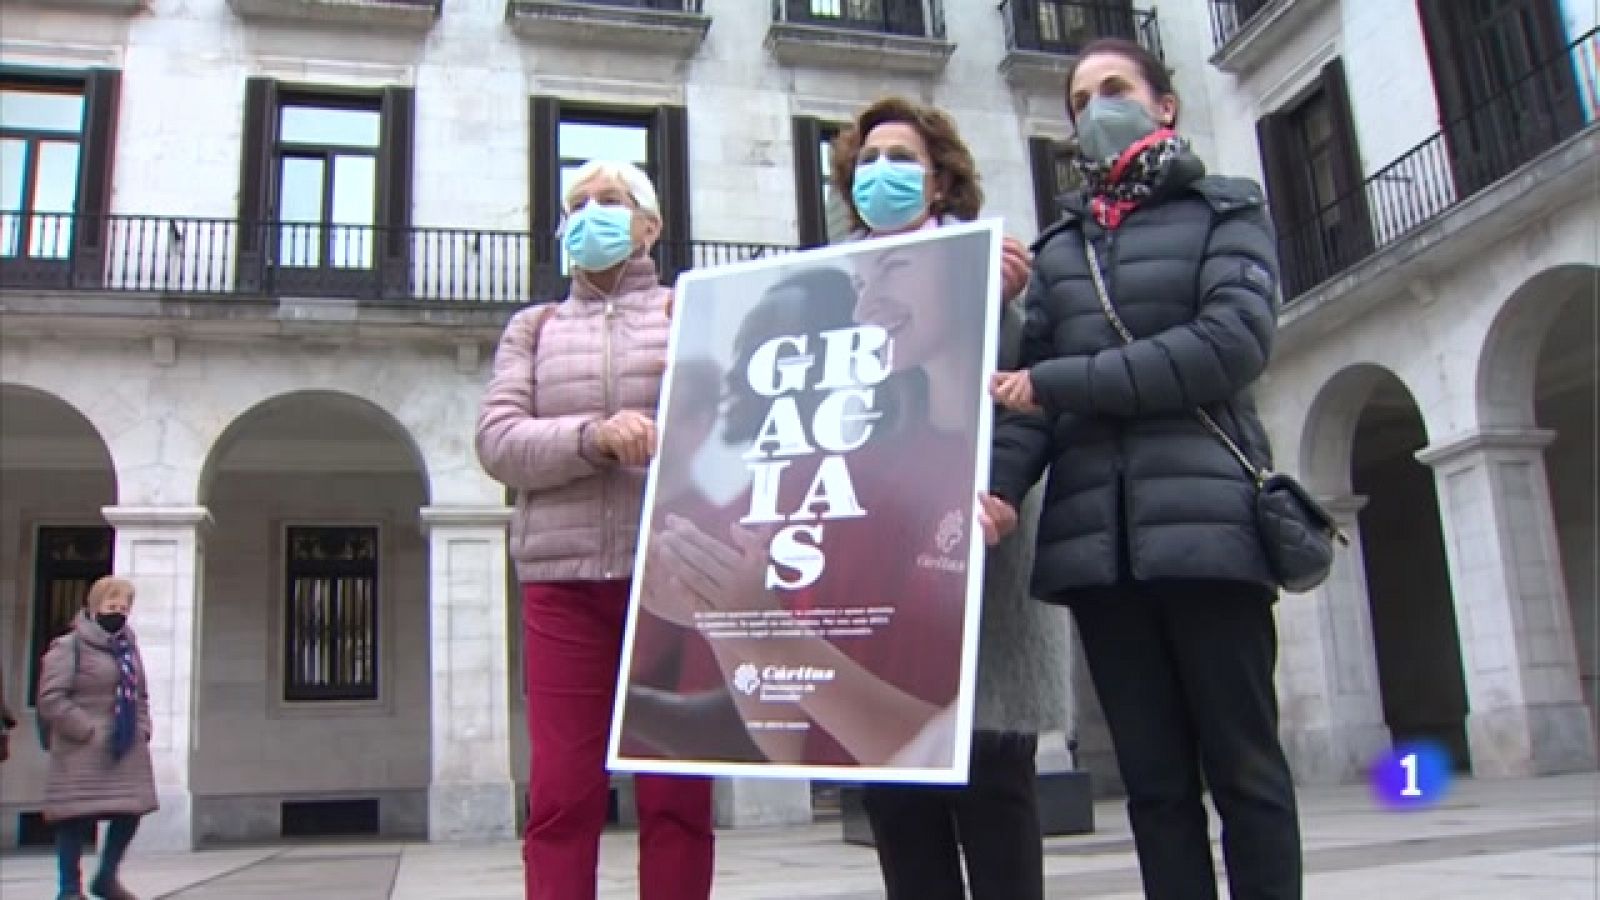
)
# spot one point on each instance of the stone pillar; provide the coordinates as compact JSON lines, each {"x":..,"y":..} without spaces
{"x":161,"y":549}
{"x":1528,"y":716}
{"x":1328,"y":687}
{"x":471,"y":796}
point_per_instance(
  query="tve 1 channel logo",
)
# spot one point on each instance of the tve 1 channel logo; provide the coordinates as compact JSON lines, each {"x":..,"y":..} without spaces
{"x":1414,"y":775}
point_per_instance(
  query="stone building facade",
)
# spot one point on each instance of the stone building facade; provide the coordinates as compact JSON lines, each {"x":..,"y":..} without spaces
{"x":254,"y":256}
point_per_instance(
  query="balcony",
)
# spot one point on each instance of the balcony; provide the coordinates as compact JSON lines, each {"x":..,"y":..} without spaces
{"x":905,"y":36}
{"x":672,"y":27}
{"x":171,"y":257}
{"x":1429,"y":192}
{"x":1043,"y":37}
{"x":1245,"y":31}
{"x":409,"y":15}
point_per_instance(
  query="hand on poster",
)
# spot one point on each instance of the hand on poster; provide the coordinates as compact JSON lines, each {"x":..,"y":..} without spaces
{"x":628,"y":437}
{"x":718,"y":575}
{"x":1014,"y":391}
{"x":1016,"y":264}
{"x":996,"y":518}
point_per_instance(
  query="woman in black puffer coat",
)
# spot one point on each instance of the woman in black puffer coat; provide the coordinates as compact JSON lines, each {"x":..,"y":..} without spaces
{"x":1148,"y":530}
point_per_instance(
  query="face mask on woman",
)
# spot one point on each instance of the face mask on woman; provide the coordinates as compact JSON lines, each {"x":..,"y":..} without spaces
{"x":889,"y":193}
{"x":112,"y":622}
{"x":1108,"y":126}
{"x":598,"y":237}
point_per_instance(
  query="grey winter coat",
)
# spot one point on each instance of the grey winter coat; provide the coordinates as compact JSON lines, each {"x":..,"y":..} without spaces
{"x":1022,"y":644}
{"x":1138,"y":489}
{"x":83,"y":778}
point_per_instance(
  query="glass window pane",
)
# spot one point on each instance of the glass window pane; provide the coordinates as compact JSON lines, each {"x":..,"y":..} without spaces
{"x":300,"y":201}
{"x":354,"y":208}
{"x":330,"y":127}
{"x":584,"y":141}
{"x":41,"y":110}
{"x":55,"y":192}
{"x":13,"y":158}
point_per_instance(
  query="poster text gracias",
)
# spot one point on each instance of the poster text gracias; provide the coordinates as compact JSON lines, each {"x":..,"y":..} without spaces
{"x":854,"y":362}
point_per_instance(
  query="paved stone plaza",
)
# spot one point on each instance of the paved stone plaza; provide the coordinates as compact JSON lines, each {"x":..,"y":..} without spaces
{"x":1499,"y":840}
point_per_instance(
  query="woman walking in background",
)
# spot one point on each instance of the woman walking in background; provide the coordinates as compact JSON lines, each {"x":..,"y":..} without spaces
{"x":1152,"y":302}
{"x":569,"y":422}
{"x":94,"y":701}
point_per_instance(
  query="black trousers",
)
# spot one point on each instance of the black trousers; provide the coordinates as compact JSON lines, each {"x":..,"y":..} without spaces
{"x":922,"y":831}
{"x":1184,"y":675}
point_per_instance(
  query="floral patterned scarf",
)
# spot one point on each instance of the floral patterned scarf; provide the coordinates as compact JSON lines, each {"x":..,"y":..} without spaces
{"x":1117,"y":185}
{"x":125,"y":715}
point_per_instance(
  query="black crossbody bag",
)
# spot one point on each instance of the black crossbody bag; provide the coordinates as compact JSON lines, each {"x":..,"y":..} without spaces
{"x":1297,"y":534}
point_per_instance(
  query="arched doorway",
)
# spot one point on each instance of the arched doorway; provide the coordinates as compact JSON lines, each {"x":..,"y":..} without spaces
{"x":1414,"y":629}
{"x":55,"y":477}
{"x":313,"y":702}
{"x":1564,"y":402}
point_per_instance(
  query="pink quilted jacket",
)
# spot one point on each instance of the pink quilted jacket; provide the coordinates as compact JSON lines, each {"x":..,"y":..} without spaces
{"x":577,"y":513}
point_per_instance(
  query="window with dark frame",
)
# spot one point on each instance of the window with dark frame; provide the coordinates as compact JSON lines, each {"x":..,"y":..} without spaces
{"x":565,"y":135}
{"x":67,"y":561}
{"x":57,"y":137}
{"x":824,"y":215}
{"x":331,"y":610}
{"x":1053,"y":176}
{"x":1316,"y":192}
{"x":325,"y":190}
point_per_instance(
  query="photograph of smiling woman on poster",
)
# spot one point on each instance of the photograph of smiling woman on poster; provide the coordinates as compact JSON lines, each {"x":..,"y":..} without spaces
{"x":847,"y":653}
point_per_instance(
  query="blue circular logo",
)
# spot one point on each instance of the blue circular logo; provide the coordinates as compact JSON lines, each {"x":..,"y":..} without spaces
{"x":1414,"y":775}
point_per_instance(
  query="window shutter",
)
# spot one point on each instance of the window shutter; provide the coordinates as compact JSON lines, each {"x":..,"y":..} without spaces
{"x":1278,"y":164}
{"x":93,"y":232}
{"x":671,"y":157}
{"x":1355,"y":222}
{"x":544,"y":191}
{"x":394,"y":191}
{"x":1042,"y":159}
{"x":810,"y":218}
{"x":257,"y":209}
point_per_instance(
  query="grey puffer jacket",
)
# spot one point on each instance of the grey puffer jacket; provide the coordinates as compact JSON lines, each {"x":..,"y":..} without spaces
{"x":77,"y":694}
{"x":1138,"y":489}
{"x":1022,"y":644}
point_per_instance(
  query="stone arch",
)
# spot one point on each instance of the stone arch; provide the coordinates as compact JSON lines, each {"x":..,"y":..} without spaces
{"x":393,"y":427}
{"x":1327,"y":440}
{"x":1507,"y":361}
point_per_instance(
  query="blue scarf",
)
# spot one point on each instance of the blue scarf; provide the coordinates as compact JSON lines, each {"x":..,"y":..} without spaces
{"x":126,"y":712}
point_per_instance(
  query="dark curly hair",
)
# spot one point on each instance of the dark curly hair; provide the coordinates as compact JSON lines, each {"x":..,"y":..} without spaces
{"x":954,"y":171}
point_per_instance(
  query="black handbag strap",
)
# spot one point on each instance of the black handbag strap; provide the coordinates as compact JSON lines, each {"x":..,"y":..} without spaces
{"x":1256,"y":473}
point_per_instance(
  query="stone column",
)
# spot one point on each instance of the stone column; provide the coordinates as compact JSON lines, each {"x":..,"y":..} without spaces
{"x":471,"y":796}
{"x":1528,"y":716}
{"x":1328,"y":687}
{"x":161,"y":549}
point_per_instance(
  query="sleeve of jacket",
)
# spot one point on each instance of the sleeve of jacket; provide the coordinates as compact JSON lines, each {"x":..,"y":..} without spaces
{"x":56,"y":704}
{"x":518,"y":448}
{"x":1206,"y":360}
{"x":1021,"y":447}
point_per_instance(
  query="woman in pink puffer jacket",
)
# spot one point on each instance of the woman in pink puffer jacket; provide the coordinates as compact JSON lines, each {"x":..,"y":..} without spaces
{"x":568,"y":422}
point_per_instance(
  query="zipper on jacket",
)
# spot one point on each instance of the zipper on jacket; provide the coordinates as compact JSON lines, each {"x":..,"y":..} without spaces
{"x":1124,"y":524}
{"x":606,"y":516}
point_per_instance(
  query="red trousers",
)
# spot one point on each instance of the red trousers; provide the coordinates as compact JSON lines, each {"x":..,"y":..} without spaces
{"x":572,"y":648}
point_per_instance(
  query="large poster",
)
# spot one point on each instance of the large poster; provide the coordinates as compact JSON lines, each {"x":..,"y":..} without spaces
{"x":806,"y":595}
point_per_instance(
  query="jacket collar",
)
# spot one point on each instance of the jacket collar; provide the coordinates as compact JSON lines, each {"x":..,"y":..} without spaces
{"x":638,"y":276}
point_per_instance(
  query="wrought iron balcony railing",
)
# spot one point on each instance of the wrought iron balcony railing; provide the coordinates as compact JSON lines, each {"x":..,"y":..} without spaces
{"x":172,"y":255}
{"x":1228,"y":17}
{"x":1470,"y":153}
{"x":1063,"y":27}
{"x":910,"y":18}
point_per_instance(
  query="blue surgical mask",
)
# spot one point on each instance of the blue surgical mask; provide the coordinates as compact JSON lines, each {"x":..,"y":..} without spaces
{"x":889,"y":193}
{"x":598,"y":237}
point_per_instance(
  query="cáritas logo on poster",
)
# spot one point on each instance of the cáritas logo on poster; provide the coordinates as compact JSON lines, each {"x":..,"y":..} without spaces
{"x":854,"y":362}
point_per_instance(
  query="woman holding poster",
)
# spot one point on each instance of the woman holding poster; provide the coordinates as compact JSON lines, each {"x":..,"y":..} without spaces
{"x":1152,"y":314}
{"x":568,"y":422}
{"x":905,"y":556}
